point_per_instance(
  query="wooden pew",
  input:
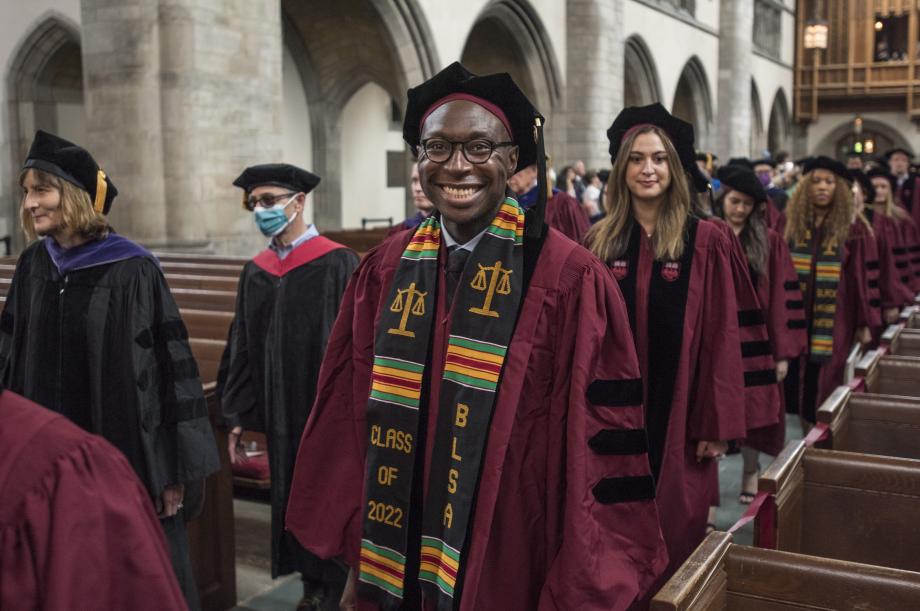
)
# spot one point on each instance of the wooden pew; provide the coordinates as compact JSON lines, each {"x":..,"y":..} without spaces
{"x":722,"y":576}
{"x":890,"y":374}
{"x":210,"y":283}
{"x":178,"y":257}
{"x":201,"y":299}
{"x":868,"y":423}
{"x":901,"y":341}
{"x":201,"y":269}
{"x":855,"y":507}
{"x":207,"y":324}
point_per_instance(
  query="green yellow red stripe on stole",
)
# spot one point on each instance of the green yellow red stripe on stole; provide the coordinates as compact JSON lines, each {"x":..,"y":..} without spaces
{"x":508,"y":224}
{"x":802,"y":263}
{"x":473,"y":363}
{"x":424,"y":244}
{"x":828,"y":270}
{"x":382,"y":567}
{"x":822,"y":344}
{"x":439,"y":564}
{"x":397,"y":381}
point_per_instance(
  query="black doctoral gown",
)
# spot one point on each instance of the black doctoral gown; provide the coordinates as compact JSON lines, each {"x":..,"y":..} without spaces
{"x":285,"y":310}
{"x":105,"y":346}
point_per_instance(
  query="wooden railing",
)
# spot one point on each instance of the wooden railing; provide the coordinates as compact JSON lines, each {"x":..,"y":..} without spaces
{"x":847,"y":73}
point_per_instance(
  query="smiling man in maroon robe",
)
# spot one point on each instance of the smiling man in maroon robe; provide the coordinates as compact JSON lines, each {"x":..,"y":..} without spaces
{"x":478,"y":436}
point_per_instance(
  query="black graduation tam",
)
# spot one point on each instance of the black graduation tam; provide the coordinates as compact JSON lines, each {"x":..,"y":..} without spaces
{"x":742,"y":179}
{"x":498,"y":89}
{"x":741,"y":162}
{"x":765,"y":161}
{"x":276,"y":174}
{"x":822,"y":162}
{"x":898,"y":149}
{"x":680,"y":132}
{"x":804,"y":160}
{"x":865,"y":182}
{"x":66,"y":160}
{"x":883,"y":173}
{"x":851,"y":154}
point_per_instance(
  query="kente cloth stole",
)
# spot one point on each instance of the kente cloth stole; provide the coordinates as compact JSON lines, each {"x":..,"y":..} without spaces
{"x":485,"y":310}
{"x":826,"y":280}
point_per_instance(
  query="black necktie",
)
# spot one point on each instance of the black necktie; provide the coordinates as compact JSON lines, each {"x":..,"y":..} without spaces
{"x":456,"y":261}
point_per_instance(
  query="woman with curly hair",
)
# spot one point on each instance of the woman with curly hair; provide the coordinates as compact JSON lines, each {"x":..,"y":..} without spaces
{"x":742,"y":204}
{"x":675,"y":274}
{"x":830,"y":263}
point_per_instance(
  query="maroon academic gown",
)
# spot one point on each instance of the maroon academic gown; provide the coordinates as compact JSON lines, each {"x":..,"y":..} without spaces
{"x":908,"y":195}
{"x":853,"y":311}
{"x":910,"y":235}
{"x":873,"y":267}
{"x":894,"y":263}
{"x":565,"y":214}
{"x":761,"y":394}
{"x":540,"y":538}
{"x":685,"y":317}
{"x":781,"y":298}
{"x":77,"y":529}
{"x":776,"y":218}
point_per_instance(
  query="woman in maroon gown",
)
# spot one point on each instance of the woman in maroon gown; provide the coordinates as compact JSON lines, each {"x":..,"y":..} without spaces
{"x":830,"y":263}
{"x":675,"y":274}
{"x":906,"y":247}
{"x":742,"y":204}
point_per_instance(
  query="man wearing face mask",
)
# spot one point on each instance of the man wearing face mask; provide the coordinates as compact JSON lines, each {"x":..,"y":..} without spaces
{"x":287,"y":300}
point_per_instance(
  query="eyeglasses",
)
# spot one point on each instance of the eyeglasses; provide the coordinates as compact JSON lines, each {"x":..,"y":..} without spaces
{"x":266,"y":201}
{"x":439,"y":150}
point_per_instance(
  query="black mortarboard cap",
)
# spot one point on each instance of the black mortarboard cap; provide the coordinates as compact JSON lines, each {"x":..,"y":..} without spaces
{"x":765,"y":161}
{"x":865,"y":182}
{"x":822,"y":162}
{"x":898,"y":149}
{"x":276,"y":174}
{"x":742,"y":179}
{"x":883,"y":173}
{"x":742,"y":162}
{"x":66,"y":160}
{"x":498,"y":89}
{"x":680,"y":132}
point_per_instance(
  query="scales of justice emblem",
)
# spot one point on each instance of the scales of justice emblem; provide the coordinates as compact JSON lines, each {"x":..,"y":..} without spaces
{"x":498,"y":283}
{"x":408,"y":301}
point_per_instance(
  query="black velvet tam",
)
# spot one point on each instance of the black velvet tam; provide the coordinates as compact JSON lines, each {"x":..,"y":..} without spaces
{"x":882,"y":173}
{"x":865,"y":182}
{"x":680,"y":132}
{"x":66,"y":160}
{"x":744,"y":180}
{"x":742,"y":162}
{"x":822,"y":162}
{"x":277,"y":174}
{"x":891,"y":152}
{"x":765,"y":161}
{"x":498,"y":89}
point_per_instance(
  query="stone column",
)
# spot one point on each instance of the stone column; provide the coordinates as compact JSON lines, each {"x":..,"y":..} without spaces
{"x":736,"y":26}
{"x":594,"y":77}
{"x":180,"y":96}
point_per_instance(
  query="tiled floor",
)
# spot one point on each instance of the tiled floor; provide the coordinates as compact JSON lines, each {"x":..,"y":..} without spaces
{"x":258,"y":592}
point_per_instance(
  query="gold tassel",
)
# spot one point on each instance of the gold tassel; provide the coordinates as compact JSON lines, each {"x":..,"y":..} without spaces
{"x":101,"y":188}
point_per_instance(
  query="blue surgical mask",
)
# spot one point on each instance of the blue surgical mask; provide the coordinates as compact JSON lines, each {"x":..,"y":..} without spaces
{"x":272,"y":221}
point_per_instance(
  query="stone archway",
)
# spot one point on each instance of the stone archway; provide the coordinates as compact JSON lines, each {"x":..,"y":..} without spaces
{"x":508,"y":36}
{"x":693,"y":101}
{"x":640,"y":82}
{"x":338,"y":48}
{"x":778,"y":130}
{"x":45,"y":88}
{"x":758,"y":140}
{"x":886,"y":137}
